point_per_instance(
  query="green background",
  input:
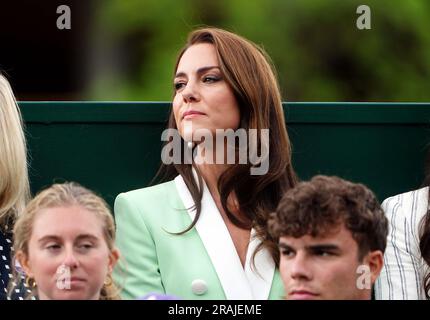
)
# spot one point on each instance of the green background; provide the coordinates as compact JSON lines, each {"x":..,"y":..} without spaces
{"x":112,"y":147}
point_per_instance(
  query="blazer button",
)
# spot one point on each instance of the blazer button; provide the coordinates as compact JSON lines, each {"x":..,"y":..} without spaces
{"x":199,"y":287}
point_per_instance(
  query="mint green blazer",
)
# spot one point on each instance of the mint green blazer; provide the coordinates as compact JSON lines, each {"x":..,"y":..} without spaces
{"x":200,"y":264}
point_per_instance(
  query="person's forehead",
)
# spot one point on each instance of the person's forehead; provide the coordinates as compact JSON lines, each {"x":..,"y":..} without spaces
{"x":198,"y":55}
{"x":66,"y":221}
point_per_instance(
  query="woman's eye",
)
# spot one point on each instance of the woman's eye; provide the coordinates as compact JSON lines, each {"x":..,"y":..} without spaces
{"x":178,"y":85}
{"x":210,"y":79}
{"x":85,"y":246}
{"x":53,"y":247}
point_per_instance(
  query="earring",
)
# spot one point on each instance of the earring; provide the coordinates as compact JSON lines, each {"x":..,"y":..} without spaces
{"x":30,"y":282}
{"x":190,"y":144}
{"x":108,"y":281}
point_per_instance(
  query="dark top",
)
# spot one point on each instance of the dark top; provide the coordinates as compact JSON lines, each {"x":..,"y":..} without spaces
{"x":6,"y":268}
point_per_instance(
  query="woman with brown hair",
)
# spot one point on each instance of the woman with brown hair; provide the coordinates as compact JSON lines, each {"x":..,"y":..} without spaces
{"x":202,"y":234}
{"x":406,"y":272}
{"x":14,"y":185}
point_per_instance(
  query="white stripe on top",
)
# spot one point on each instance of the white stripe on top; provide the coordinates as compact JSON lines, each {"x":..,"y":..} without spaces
{"x":402,"y":277}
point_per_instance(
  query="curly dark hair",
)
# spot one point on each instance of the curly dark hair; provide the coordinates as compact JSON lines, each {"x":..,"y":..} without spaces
{"x":316,"y":207}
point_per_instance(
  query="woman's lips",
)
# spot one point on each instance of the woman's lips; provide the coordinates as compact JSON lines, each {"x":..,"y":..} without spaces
{"x":77,"y":283}
{"x":192,"y":114}
{"x":71,"y":283}
{"x":76,"y":279}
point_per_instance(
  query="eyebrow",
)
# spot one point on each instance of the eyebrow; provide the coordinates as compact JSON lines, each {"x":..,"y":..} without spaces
{"x":48,"y":238}
{"x":87,"y":236}
{"x":284,"y":245}
{"x":199,"y":71}
{"x":317,"y":247}
{"x":57,"y":238}
{"x":323,"y":247}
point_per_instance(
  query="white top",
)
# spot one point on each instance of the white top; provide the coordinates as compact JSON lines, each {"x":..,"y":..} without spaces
{"x":402,"y":277}
{"x":238,"y":282}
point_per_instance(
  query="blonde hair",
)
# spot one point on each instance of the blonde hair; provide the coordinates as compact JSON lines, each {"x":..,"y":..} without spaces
{"x":14,"y":185}
{"x":63,"y":195}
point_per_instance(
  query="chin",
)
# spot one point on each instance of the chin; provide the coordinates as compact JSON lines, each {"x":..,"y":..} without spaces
{"x":72,"y":295}
{"x":308,"y":297}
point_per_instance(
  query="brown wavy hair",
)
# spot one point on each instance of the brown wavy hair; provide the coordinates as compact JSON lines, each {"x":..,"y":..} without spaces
{"x":323,"y":203}
{"x":249,"y":72}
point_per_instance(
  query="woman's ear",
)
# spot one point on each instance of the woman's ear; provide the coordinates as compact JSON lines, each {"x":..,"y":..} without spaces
{"x":113,"y":259}
{"x":24,"y":262}
{"x":375,"y":260}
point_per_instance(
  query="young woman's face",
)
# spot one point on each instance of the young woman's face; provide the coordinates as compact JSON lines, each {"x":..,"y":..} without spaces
{"x":68,"y":254}
{"x":203,"y":99}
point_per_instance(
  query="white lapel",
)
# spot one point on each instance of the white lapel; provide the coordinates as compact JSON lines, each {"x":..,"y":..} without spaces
{"x":237,"y":283}
{"x":260,"y":276}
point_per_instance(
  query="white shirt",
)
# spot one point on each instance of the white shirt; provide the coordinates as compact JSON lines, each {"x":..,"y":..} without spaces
{"x":249,"y":282}
{"x":402,"y":277}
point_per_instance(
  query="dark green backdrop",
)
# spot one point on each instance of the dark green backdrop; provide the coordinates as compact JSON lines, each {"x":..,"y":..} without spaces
{"x":112,"y":147}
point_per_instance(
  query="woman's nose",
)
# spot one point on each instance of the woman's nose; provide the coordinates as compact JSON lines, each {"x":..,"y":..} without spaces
{"x":70,"y":259}
{"x":190,"y":92}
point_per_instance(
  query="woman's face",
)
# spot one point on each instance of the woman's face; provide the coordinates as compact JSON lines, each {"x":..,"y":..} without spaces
{"x":203,"y":99}
{"x":68,"y":254}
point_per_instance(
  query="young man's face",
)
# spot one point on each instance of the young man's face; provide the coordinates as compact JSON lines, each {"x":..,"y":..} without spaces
{"x":325,"y":267}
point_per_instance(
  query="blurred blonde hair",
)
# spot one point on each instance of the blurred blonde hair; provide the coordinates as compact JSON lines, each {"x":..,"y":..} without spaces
{"x":64,"y":195}
{"x":14,"y":185}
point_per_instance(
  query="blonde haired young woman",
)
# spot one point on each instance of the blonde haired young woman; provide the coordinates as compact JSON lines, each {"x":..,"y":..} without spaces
{"x":14,"y":185}
{"x":64,"y":242}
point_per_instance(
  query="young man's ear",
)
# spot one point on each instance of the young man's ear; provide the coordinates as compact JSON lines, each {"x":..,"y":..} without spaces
{"x":24,"y":262}
{"x":375,"y":261}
